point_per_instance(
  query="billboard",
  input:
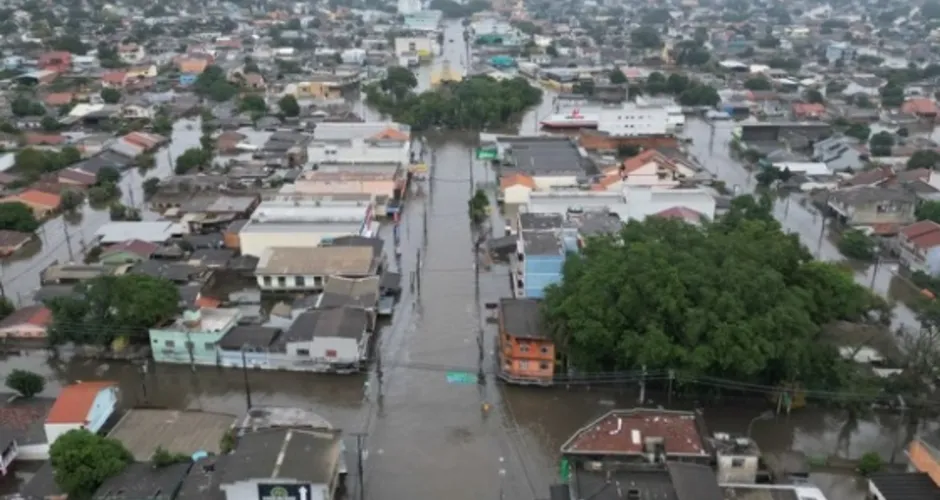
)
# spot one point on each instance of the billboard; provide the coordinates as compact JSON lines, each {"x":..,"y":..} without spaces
{"x":284,"y":491}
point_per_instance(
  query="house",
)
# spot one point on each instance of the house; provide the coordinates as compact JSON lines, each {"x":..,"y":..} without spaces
{"x":26,"y":324}
{"x":382,"y":186}
{"x":22,"y":432}
{"x":922,"y":107}
{"x":840,"y":153}
{"x":360,"y":143}
{"x":192,"y":66}
{"x":57,"y":99}
{"x":12,"y":241}
{"x":808,"y":111}
{"x":131,"y":53}
{"x":916,"y":246}
{"x":649,"y":168}
{"x":77,"y":177}
{"x":192,"y":338}
{"x":425,"y":46}
{"x":540,"y":253}
{"x":128,"y":252}
{"x":42,"y":204}
{"x":83,"y":405}
{"x":885,"y":210}
{"x":154,"y":232}
{"x":330,"y":339}
{"x":144,"y":481}
{"x":273,"y":462}
{"x":58,"y":61}
{"x":515,"y":188}
{"x":70,"y":273}
{"x":923,"y":454}
{"x":902,"y":486}
{"x":114,"y":79}
{"x":526,"y":352}
{"x":303,"y":269}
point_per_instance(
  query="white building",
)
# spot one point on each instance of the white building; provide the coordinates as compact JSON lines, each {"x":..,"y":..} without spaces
{"x":335,"y":337}
{"x":424,"y":46}
{"x":675,"y":119}
{"x":304,"y":221}
{"x":370,"y":142}
{"x":633,"y":120}
{"x":300,"y":269}
{"x":406,"y":7}
{"x":636,"y":203}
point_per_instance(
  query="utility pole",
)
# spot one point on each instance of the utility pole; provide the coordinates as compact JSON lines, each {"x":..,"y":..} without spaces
{"x":245,"y":374}
{"x":874,"y":272}
{"x":68,"y":241}
{"x":143,"y":381}
{"x":643,"y":386}
{"x":418,"y":273}
{"x":822,"y":234}
{"x":190,"y":347}
{"x":130,"y":193}
{"x":3,"y":290}
{"x":359,"y":467}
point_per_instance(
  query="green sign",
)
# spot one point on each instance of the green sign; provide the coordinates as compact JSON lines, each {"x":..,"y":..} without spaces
{"x":487,"y":154}
{"x":564,"y":470}
{"x":461,"y":378}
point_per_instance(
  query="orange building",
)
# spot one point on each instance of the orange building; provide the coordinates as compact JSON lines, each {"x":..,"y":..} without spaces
{"x":526,"y":353}
{"x":924,"y":455}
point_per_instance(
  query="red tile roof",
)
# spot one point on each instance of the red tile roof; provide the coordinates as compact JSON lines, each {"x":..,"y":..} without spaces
{"x":58,"y":98}
{"x":40,"y":198}
{"x":39,"y":139}
{"x":808,"y":109}
{"x":923,"y":234}
{"x":920,"y":106}
{"x":114,"y":77}
{"x":38,"y":315}
{"x":684,"y":213}
{"x":141,"y":248}
{"x":623,"y":432}
{"x":75,"y":401}
{"x":517,"y":179}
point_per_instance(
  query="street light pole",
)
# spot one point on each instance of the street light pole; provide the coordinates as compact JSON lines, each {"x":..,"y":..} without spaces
{"x":502,"y":476}
{"x":767,"y":415}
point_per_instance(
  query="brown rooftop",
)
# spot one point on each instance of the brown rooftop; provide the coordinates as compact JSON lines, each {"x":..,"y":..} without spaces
{"x":624,"y":432}
{"x":317,"y":261}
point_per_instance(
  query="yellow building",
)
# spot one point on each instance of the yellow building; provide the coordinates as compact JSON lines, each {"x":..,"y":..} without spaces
{"x":445,"y":74}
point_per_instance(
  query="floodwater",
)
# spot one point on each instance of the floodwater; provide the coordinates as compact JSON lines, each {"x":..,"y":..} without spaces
{"x":66,"y":237}
{"x":427,"y":438}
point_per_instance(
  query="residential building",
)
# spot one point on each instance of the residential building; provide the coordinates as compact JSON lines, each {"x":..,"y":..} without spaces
{"x":70,"y":273}
{"x":26,"y":324}
{"x":541,"y":249}
{"x":840,"y":53}
{"x":192,"y":338}
{"x":381,"y":186}
{"x":153,"y":232}
{"x":885,"y":210}
{"x":360,"y":143}
{"x":304,"y":221}
{"x":131,"y":53}
{"x":42,"y":204}
{"x":58,"y":61}
{"x":83,"y":405}
{"x":902,"y":485}
{"x":144,"y":481}
{"x":918,"y":246}
{"x":840,"y":153}
{"x":293,"y":269}
{"x":13,"y":241}
{"x":526,"y":352}
{"x":128,"y":252}
{"x":551,"y":162}
{"x":673,"y":480}
{"x":923,"y":453}
{"x":515,"y":188}
{"x":647,"y":169}
{"x":425,"y":20}
{"x":330,"y":339}
{"x":275,"y":462}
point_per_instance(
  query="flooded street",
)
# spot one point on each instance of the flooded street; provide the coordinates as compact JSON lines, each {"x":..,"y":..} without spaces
{"x":66,"y":237}
{"x":424,"y":433}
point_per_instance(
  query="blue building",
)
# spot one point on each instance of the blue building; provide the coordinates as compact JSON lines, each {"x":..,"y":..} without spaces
{"x":543,"y":244}
{"x":194,"y":337}
{"x":187,"y":79}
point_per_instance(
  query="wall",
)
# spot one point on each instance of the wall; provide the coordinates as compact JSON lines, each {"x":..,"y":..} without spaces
{"x":648,"y":175}
{"x":202,"y":354}
{"x":373,"y":187}
{"x":541,"y":271}
{"x":737,"y":469}
{"x":255,"y":242}
{"x":517,"y":194}
{"x":547,"y":182}
{"x":897,"y":214}
{"x":347,"y":350}
{"x":593,"y":140}
{"x":23,"y":331}
{"x":360,"y":151}
{"x":910,"y":257}
{"x":248,"y":490}
{"x":633,"y":121}
{"x":310,"y":282}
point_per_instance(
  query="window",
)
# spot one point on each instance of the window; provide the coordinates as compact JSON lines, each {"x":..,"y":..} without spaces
{"x":317,"y":281}
{"x":523,"y":365}
{"x":267,"y":281}
{"x":544,"y":349}
{"x":737,"y":462}
{"x":209,"y":346}
{"x":282,"y":281}
{"x":331,"y":353}
{"x":299,"y":281}
{"x":412,"y":47}
{"x":543,"y":366}
{"x":303,"y":352}
{"x":524,"y":348}
{"x":169,"y":343}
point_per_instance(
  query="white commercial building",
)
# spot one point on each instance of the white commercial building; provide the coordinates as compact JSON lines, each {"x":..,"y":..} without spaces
{"x":634,"y":120}
{"x":303,"y":221}
{"x":358,"y":143}
{"x":424,"y":46}
{"x":635,"y":203}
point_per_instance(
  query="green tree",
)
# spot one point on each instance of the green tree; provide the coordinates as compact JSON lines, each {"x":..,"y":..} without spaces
{"x":50,"y":124}
{"x":925,"y":158}
{"x":109,"y":307}
{"x":192,"y":158}
{"x":288,"y":105}
{"x":103,"y":193}
{"x":212,"y":83}
{"x":859,"y":131}
{"x":83,"y":461}
{"x":252,"y":103}
{"x":23,"y":106}
{"x":162,"y":125}
{"x":814,"y":96}
{"x":108,"y":175}
{"x":110,"y":96}
{"x":477,"y":206}
{"x":691,"y":53}
{"x":646,"y":37}
{"x":738,"y":299}
{"x":929,"y":210}
{"x":25,"y":383}
{"x":870,"y":463}
{"x":70,"y":200}
{"x":758,"y":83}
{"x":162,"y":458}
{"x":6,"y":307}
{"x":121,"y":212}
{"x":150,"y":187}
{"x":857,"y":245}
{"x":892,"y":95}
{"x":17,"y":216}
{"x":146,"y":162}
{"x":398,"y":82}
{"x":699,"y":95}
{"x":881,"y":143}
{"x":617,"y":77}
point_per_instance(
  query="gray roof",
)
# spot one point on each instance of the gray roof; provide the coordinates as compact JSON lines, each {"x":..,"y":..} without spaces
{"x":858,"y":195}
{"x":542,"y":243}
{"x":648,"y":484}
{"x":257,"y":337}
{"x":551,"y":156}
{"x":905,"y":486}
{"x":42,"y":485}
{"x":345,"y":322}
{"x":143,"y":481}
{"x":522,"y":318}
{"x":155,"y":232}
{"x":540,"y":221}
{"x":340,"y":292}
{"x":694,"y":481}
{"x":302,"y":455}
{"x":317,"y":261}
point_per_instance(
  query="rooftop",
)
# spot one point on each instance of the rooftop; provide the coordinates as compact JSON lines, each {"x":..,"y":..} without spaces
{"x":143,"y":430}
{"x":155,"y":232}
{"x":903,"y":486}
{"x":24,"y":419}
{"x":141,"y":480}
{"x":540,"y":221}
{"x":206,"y":320}
{"x":304,"y":455}
{"x":75,"y":402}
{"x":259,"y":337}
{"x":542,"y":243}
{"x":625,"y":432}
{"x":317,"y":261}
{"x":547,"y":156}
{"x":522,"y":318}
{"x":345,"y":322}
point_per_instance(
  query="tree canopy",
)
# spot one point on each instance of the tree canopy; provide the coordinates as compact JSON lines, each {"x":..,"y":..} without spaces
{"x":737,"y":298}
{"x":83,"y":460}
{"x":25,"y":382}
{"x":476,"y":103}
{"x":289,"y":106}
{"x":924,"y":158}
{"x":214,"y":84}
{"x":109,"y":307}
{"x":17,"y":216}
